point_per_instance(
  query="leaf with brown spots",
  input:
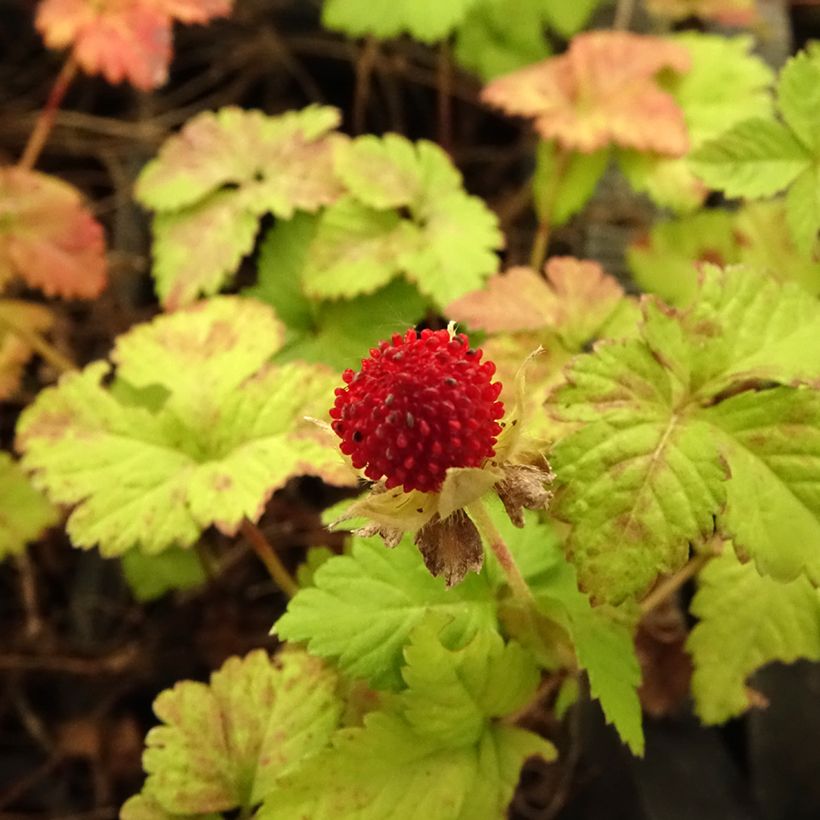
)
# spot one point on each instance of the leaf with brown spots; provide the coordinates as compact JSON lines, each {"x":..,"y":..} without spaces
{"x":602,"y":91}
{"x":15,"y":351}
{"x":197,"y":430}
{"x":222,"y":746}
{"x":48,"y":238}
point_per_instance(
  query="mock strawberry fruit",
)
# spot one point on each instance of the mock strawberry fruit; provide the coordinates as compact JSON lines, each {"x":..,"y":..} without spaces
{"x":420,"y":404}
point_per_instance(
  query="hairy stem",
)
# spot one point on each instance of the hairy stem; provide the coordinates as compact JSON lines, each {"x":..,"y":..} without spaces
{"x":364,"y":71}
{"x":668,"y":586}
{"x":45,"y":121}
{"x":38,"y":344}
{"x":254,"y":536}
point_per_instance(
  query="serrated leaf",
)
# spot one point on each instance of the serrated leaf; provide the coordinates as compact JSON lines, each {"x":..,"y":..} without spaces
{"x":151,"y":576}
{"x":221,"y":746}
{"x":756,"y":158}
{"x":15,"y":350}
{"x":798,"y":96}
{"x":48,"y":238}
{"x":499,"y":36}
{"x":122,"y":41}
{"x":667,"y":260}
{"x":425,"y":20}
{"x":771,"y":440}
{"x":364,"y":606}
{"x":24,"y":512}
{"x":403,"y":763}
{"x":612,"y":73}
{"x":803,"y":209}
{"x":229,"y":433}
{"x":211,"y":183}
{"x":746,"y":621}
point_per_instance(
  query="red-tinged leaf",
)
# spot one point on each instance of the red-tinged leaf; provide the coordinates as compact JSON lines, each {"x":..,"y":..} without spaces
{"x":47,"y":236}
{"x":14,"y":350}
{"x":725,"y":12}
{"x":601,"y":91}
{"x":574,"y":300}
{"x":123,"y":40}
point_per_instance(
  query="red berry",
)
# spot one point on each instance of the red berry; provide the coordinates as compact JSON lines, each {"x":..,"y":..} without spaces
{"x":420,"y":404}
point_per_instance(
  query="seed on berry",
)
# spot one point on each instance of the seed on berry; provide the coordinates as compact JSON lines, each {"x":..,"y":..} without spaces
{"x":427,"y":428}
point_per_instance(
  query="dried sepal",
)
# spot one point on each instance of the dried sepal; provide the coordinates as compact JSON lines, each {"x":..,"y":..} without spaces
{"x":451,"y":547}
{"x":523,"y":488}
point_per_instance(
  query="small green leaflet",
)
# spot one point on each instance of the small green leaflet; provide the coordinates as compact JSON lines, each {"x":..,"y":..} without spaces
{"x":24,"y":512}
{"x":222,"y":746}
{"x":761,"y":157}
{"x":151,"y":576}
{"x":435,"y":751}
{"x":602,"y":639}
{"x":746,"y":621}
{"x":362,"y":608}
{"x":445,"y":243}
{"x":726,"y":85}
{"x":229,"y":432}
{"x":650,"y":468}
{"x":211,"y":183}
{"x":425,"y":20}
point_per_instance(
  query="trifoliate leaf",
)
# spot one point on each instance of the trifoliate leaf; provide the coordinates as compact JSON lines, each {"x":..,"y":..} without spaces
{"x":726,"y":85}
{"x":756,"y":158}
{"x":212,"y":182}
{"x":48,"y":238}
{"x":363,"y":607}
{"x":562,"y":185}
{"x":601,"y":91}
{"x":404,"y":763}
{"x":24,"y":513}
{"x":151,"y":576}
{"x":667,"y":261}
{"x":122,"y":41}
{"x":568,"y":18}
{"x":18,"y":321}
{"x":499,"y":36}
{"x":746,"y":621}
{"x":445,"y":243}
{"x":771,"y":440}
{"x":425,"y":20}
{"x":230,"y":431}
{"x":222,"y":746}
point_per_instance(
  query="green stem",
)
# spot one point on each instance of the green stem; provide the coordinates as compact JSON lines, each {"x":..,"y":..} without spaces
{"x":545,"y":206}
{"x":269,"y":558}
{"x":668,"y":586}
{"x":38,"y":344}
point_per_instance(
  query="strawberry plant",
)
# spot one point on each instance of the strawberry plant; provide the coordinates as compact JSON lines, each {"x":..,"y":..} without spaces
{"x":479,"y":481}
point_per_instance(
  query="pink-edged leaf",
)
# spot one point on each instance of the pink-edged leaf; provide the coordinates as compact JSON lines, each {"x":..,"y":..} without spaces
{"x":47,"y":236}
{"x":601,"y":91}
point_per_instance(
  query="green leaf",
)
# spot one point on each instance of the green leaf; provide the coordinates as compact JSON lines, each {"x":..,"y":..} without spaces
{"x":568,"y":18}
{"x":746,"y":621}
{"x":666,"y":262}
{"x":363,"y":607}
{"x":771,"y":440}
{"x":145,"y":807}
{"x":24,"y":512}
{"x":561,"y":188}
{"x":499,"y":36}
{"x":151,"y":576}
{"x":425,"y":20}
{"x":798,"y":96}
{"x":212,"y":182}
{"x":639,"y":481}
{"x":222,"y":746}
{"x":756,"y":158}
{"x":435,"y":751}
{"x":803,"y":209}
{"x":230,"y":432}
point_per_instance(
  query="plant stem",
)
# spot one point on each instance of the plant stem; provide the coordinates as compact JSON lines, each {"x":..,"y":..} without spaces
{"x":478,"y":512}
{"x":668,"y":586}
{"x":544,"y":207}
{"x":444,"y":81}
{"x":253,"y":535}
{"x":539,"y":245}
{"x":37,"y":343}
{"x":364,"y":70}
{"x":623,"y":14}
{"x":45,"y":121}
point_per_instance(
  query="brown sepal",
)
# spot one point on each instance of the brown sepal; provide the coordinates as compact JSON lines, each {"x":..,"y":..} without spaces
{"x":451,"y":547}
{"x":523,"y":488}
{"x":390,"y":535}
